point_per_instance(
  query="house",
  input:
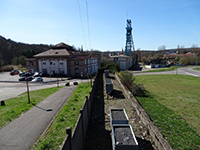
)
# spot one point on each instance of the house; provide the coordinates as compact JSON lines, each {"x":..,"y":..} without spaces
{"x":124,"y":62}
{"x":63,"y":59}
{"x":190,"y":57}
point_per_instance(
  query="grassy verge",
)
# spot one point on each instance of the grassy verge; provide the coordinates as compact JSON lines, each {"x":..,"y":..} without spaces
{"x":173,"y":105}
{"x":67,"y":117}
{"x":198,"y":69}
{"x":16,"y":106}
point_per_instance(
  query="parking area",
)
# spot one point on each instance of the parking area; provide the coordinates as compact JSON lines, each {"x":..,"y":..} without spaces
{"x":10,"y":86}
{"x":5,"y":76}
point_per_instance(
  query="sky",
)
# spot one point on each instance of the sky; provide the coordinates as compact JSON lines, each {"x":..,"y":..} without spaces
{"x":101,"y":24}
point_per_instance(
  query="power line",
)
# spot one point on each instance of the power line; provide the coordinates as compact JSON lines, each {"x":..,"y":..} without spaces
{"x":82,"y":23}
{"x":88,"y":24}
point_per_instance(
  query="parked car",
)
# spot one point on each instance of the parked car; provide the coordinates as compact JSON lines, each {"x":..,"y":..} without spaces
{"x":26,"y":78}
{"x":28,"y":74}
{"x":37,"y":79}
{"x":22,"y":74}
{"x":14,"y":72}
{"x":22,"y":79}
{"x":42,"y":74}
{"x":36,"y":74}
{"x":30,"y":78}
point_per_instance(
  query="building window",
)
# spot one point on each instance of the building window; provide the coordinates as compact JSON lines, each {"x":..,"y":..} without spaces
{"x":61,"y":63}
{"x":76,"y":63}
{"x":44,"y":62}
{"x":52,"y":62}
{"x":77,"y":71}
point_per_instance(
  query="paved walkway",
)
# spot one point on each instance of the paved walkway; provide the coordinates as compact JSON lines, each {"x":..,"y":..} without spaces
{"x":24,"y":131}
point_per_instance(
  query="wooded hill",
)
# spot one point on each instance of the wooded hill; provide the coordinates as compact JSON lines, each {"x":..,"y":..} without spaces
{"x":10,"y":51}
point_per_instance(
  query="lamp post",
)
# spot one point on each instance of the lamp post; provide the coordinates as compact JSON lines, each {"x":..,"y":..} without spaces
{"x":176,"y":62}
{"x":27,"y":89}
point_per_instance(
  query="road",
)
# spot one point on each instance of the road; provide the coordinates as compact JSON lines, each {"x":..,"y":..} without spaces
{"x":180,"y":71}
{"x":10,"y":90}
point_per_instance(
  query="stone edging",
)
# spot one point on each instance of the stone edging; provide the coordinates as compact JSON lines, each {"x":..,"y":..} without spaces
{"x":160,"y":142}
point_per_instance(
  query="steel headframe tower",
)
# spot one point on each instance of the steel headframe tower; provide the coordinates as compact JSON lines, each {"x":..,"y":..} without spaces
{"x":129,"y":39}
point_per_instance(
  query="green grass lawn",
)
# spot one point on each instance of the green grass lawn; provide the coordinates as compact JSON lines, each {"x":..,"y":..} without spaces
{"x":174,"y":106}
{"x":14,"y":107}
{"x":66,"y":118}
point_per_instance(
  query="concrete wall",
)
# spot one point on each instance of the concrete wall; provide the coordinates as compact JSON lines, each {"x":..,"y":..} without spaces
{"x":75,"y":140}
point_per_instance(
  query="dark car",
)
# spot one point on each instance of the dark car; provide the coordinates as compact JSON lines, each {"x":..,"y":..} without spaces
{"x":42,"y":74}
{"x":30,"y":78}
{"x":22,"y":79}
{"x":26,"y":78}
{"x":28,"y":74}
{"x":22,"y":74}
{"x":14,"y":72}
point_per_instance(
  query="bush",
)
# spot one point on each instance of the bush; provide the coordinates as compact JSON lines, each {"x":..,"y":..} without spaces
{"x":139,"y":90}
{"x":6,"y":68}
{"x":127,"y":79}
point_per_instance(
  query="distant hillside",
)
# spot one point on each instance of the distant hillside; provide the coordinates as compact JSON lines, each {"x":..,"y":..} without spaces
{"x":10,"y":50}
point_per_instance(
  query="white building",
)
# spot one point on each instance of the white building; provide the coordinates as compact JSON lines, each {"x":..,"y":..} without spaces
{"x":123,"y":61}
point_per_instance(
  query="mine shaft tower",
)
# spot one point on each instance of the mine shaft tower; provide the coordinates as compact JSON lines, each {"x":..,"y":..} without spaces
{"x":129,"y":48}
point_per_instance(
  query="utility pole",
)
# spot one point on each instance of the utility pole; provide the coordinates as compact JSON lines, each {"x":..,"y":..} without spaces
{"x":90,"y":70}
{"x":176,"y":62}
{"x":27,"y":90}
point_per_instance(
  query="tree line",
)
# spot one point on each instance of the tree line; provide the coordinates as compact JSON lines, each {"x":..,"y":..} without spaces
{"x":12,"y":52}
{"x":147,"y":56}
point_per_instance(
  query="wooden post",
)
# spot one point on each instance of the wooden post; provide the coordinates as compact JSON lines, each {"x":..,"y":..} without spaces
{"x":88,"y":107}
{"x":69,"y":133}
{"x":83,"y":136}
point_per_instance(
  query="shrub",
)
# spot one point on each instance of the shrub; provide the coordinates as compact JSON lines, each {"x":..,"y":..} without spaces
{"x":127,"y":79}
{"x":138,"y":90}
{"x":6,"y":68}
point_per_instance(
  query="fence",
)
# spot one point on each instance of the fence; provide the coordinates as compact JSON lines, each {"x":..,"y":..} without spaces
{"x":75,"y":140}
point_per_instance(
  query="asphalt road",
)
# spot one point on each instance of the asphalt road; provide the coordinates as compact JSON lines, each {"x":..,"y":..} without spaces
{"x":10,"y":90}
{"x":24,"y":131}
{"x":180,"y":71}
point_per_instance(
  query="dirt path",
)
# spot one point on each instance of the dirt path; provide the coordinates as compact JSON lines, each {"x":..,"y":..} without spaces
{"x":99,"y":130}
